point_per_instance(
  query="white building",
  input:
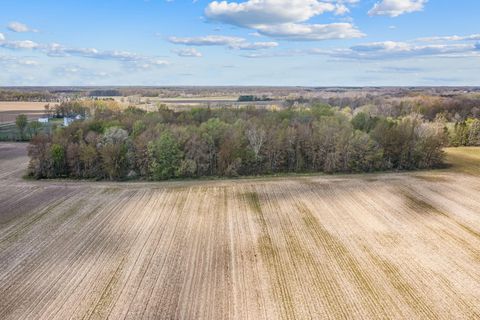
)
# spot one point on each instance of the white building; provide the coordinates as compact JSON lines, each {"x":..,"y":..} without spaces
{"x":67,"y":121}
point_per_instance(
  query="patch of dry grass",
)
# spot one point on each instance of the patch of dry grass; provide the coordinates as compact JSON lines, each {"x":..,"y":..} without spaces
{"x":464,"y":159}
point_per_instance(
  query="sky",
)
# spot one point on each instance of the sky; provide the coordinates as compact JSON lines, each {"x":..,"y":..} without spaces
{"x":241,"y":42}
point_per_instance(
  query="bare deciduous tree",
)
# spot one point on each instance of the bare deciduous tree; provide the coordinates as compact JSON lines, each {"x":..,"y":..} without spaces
{"x":256,"y":139}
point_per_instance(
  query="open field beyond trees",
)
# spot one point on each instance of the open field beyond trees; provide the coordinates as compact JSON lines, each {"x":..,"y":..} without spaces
{"x":9,"y":110}
{"x":398,"y":246}
{"x":22,"y":106}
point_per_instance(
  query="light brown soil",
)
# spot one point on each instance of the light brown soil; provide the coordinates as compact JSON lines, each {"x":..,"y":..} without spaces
{"x":10,"y":110}
{"x":23,"y":105}
{"x":387,"y":246}
{"x":10,"y":116}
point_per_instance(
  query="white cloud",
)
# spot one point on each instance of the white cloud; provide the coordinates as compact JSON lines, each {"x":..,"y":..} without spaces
{"x":397,"y":50}
{"x":258,"y":12}
{"x":217,"y":40}
{"x":276,"y":54}
{"x":341,"y":10}
{"x":28,"y":62}
{"x":474,"y":37}
{"x":285,"y":19}
{"x":254,"y":45}
{"x":390,"y":69}
{"x":130,"y":59}
{"x":19,"y":44}
{"x":10,"y":61}
{"x":395,"y":8}
{"x":146,"y":64}
{"x":2,"y":37}
{"x":387,"y":50}
{"x":445,"y":46}
{"x":211,"y":40}
{"x":311,"y":32}
{"x":20,"y":27}
{"x":188,"y":53}
{"x":133,"y":59}
{"x":76,"y":71}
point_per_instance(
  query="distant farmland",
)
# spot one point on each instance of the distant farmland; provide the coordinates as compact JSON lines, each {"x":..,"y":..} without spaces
{"x":9,"y":110}
{"x":182,"y":103}
{"x":383,"y":246}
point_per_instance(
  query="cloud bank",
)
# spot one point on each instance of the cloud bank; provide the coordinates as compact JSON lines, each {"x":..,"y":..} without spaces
{"x":285,"y":19}
{"x":227,"y":41}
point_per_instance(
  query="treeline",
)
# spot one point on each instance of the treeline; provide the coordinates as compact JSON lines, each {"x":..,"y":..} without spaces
{"x":162,"y":145}
{"x":105,"y":93}
{"x":252,"y":98}
{"x":83,"y":108}
{"x":36,"y":96}
{"x":455,"y":108}
{"x":465,"y":133}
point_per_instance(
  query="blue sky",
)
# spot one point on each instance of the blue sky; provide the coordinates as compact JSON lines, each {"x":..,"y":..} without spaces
{"x":253,"y":42}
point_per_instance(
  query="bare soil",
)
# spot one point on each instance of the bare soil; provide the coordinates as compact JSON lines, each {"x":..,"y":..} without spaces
{"x":384,"y":246}
{"x":22,"y":106}
{"x":10,"y":110}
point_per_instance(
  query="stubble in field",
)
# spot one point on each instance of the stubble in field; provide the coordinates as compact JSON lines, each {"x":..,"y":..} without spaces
{"x":392,"y":246}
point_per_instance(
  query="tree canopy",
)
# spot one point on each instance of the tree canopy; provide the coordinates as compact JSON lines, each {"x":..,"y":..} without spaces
{"x":165,"y":144}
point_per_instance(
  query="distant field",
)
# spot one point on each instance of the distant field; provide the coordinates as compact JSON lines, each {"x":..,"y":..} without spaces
{"x":10,"y":110}
{"x":22,"y":106}
{"x":185,"y":103}
{"x":199,"y":99}
{"x":382,"y":246}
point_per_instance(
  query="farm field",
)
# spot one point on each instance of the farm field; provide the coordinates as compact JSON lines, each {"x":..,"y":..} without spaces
{"x":187,"y":103}
{"x":22,"y":106}
{"x":10,"y":110}
{"x":379,"y":246}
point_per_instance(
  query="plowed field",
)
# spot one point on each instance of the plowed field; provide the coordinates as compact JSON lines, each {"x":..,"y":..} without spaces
{"x":384,"y":246}
{"x":10,"y":110}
